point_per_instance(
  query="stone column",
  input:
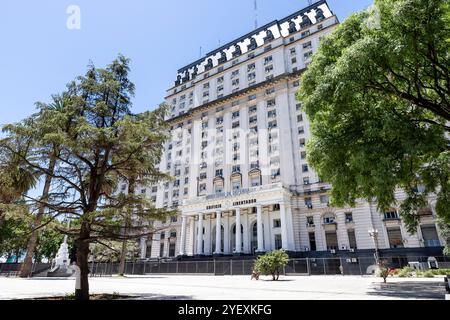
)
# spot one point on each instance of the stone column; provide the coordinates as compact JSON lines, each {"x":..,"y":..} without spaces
{"x":226,"y":235}
{"x":192,"y":235}
{"x":259,"y":227}
{"x":183,"y":236}
{"x":143,"y":245}
{"x":200,"y":234}
{"x":284,"y":230}
{"x":238,"y":231}
{"x":218,"y":233}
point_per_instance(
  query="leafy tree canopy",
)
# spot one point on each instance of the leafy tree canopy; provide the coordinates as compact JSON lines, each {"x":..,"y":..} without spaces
{"x":377,"y":95}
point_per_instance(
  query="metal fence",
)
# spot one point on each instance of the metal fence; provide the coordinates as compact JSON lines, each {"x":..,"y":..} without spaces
{"x":13,"y":269}
{"x":306,"y":266}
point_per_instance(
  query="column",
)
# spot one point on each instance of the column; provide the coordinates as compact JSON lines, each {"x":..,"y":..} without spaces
{"x":246,"y":233}
{"x":200,"y":234}
{"x":226,"y":235}
{"x":218,"y":233}
{"x":284,"y":230}
{"x":238,"y":230}
{"x":259,"y":227}
{"x":192,"y":235}
{"x":183,"y":236}
{"x":143,"y":245}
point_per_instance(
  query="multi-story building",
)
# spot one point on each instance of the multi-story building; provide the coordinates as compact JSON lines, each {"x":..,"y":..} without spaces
{"x":238,"y":157}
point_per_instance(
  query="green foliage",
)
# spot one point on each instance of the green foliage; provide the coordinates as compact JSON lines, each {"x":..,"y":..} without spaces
{"x":271,"y":263}
{"x":98,"y":144}
{"x":377,"y":96}
{"x":405,"y":272}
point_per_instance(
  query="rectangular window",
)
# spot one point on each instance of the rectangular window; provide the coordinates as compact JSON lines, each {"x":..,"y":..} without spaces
{"x":267,"y":60}
{"x":348,"y":217}
{"x":310,"y":221}
{"x":352,"y":239}
{"x":305,"y":168}
{"x":324,"y":199}
{"x":395,"y":237}
{"x":332,"y":241}
{"x":312,"y":241}
{"x":278,"y":242}
{"x":390,"y":215}
{"x":277,"y":223}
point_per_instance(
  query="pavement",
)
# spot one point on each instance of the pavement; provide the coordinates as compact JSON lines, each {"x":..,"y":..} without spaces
{"x":198,"y":287}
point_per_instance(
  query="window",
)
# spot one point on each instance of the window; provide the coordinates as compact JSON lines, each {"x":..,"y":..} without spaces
{"x":301,"y":130}
{"x":203,"y":187}
{"x":312,"y":241}
{"x":390,"y":215}
{"x":351,"y":239}
{"x":296,"y":83}
{"x":270,"y":103}
{"x":305,"y":33}
{"x":305,"y":168}
{"x":308,"y":203}
{"x":206,"y":85}
{"x":292,"y":50}
{"x":278,"y":242}
{"x":202,"y":175}
{"x":270,"y":91}
{"x":430,"y":236}
{"x":252,"y":109}
{"x":306,"y":181}
{"x":220,"y":80}
{"x":250,"y":67}
{"x":324,"y":199}
{"x":235,"y":82}
{"x":303,"y":155}
{"x":154,"y":189}
{"x":310,"y":221}
{"x":236,"y":169}
{"x":307,"y":55}
{"x":300,"y":118}
{"x":235,"y":125}
{"x":219,"y":172}
{"x":234,"y":74}
{"x":331,"y":240}
{"x":307,"y":45}
{"x":252,"y":97}
{"x":267,"y":60}
{"x":272,"y":114}
{"x":277,"y":223}
{"x":236,"y":185}
{"x":269,"y":69}
{"x":302,"y":143}
{"x":348,"y":217}
{"x":395,"y":237}
{"x":328,"y":219}
{"x":294,"y":60}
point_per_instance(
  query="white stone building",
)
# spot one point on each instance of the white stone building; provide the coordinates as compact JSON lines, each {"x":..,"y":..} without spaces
{"x":238,"y":157}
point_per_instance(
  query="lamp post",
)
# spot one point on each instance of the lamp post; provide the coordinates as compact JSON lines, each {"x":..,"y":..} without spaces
{"x":373,"y":233}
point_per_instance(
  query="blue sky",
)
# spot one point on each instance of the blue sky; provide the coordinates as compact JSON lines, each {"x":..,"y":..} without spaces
{"x":39,"y":54}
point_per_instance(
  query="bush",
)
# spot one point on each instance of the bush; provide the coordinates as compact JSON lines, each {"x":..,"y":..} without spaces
{"x":405,"y":272}
{"x":271,"y":263}
{"x":428,"y":274}
{"x":383,"y":272}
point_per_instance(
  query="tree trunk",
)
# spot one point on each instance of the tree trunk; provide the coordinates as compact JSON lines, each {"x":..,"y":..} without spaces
{"x":123,"y":254}
{"x":82,"y":293}
{"x":27,"y":265}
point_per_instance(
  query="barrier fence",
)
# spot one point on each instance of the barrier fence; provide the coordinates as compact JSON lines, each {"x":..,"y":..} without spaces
{"x":306,"y":266}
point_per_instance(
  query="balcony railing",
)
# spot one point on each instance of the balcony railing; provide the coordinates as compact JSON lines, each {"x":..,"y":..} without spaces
{"x":432,"y":243}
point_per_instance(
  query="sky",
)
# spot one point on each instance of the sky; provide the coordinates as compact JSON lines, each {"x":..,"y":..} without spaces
{"x":42,"y":48}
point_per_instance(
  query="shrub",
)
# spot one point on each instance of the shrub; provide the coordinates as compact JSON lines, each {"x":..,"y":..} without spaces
{"x":271,"y":262}
{"x":428,"y":274}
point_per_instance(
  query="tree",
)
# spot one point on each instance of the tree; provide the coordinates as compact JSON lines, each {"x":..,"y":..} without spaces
{"x":33,"y":129}
{"x":104,"y":140}
{"x":271,"y":263}
{"x":377,"y":95}
{"x":16,"y":177}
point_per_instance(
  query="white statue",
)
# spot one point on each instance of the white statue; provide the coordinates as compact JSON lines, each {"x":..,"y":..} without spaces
{"x":62,"y":259}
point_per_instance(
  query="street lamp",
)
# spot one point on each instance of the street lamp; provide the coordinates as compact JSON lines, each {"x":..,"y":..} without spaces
{"x":373,"y":233}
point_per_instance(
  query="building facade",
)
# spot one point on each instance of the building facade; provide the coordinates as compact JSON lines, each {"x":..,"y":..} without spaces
{"x":238,"y":158}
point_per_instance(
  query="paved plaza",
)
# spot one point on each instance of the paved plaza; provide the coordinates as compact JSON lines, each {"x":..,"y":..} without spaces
{"x":233,"y":287}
